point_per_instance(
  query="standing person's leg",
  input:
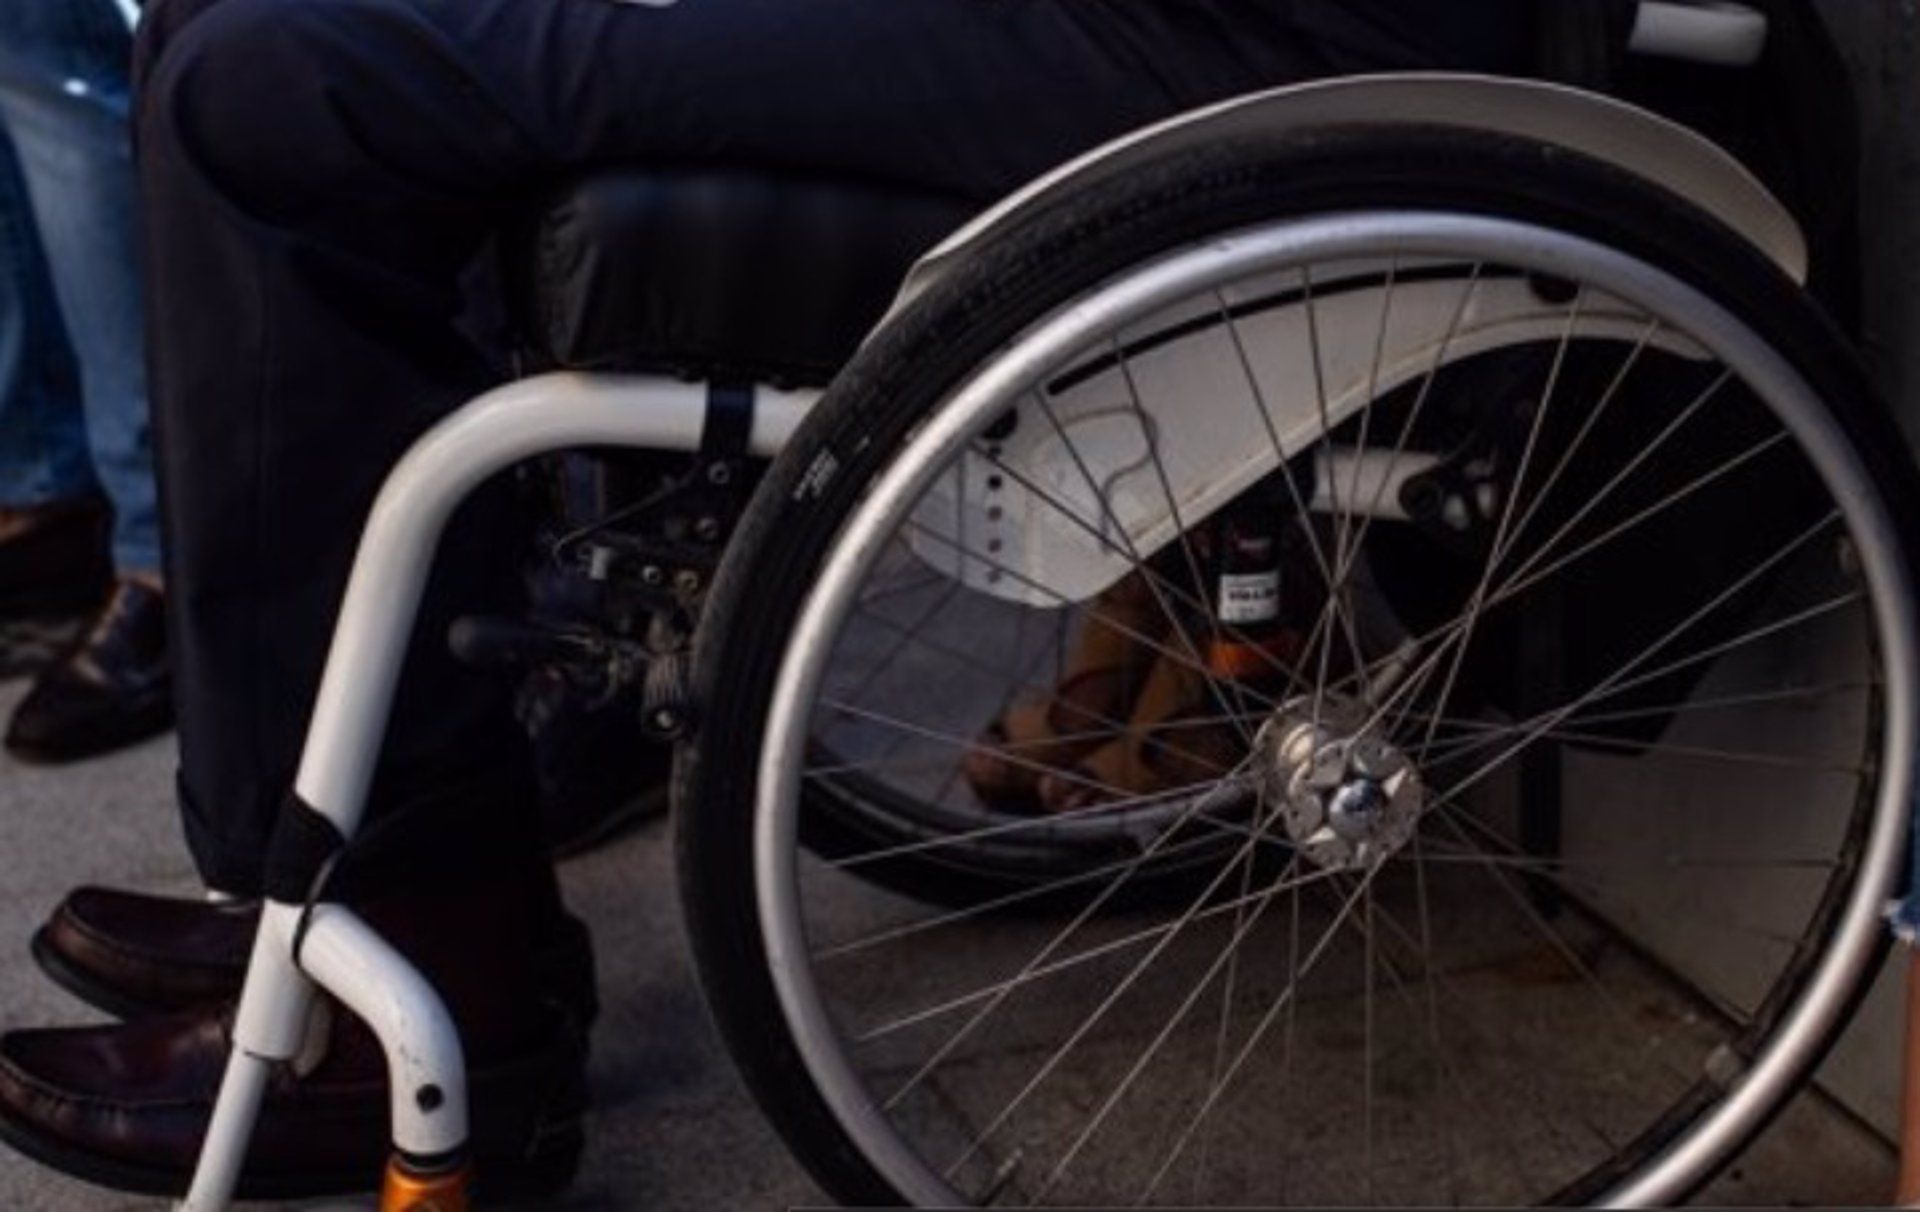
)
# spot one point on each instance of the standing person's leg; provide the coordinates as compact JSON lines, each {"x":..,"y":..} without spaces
{"x":52,"y":541}
{"x":63,"y":99}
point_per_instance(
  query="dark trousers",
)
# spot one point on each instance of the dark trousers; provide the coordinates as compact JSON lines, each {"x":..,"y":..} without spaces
{"x":317,"y":176}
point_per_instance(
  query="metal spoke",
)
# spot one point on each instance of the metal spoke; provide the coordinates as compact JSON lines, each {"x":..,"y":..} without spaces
{"x":1157,"y":584}
{"x":1439,"y":982}
{"x":992,"y":905}
{"x":1458,"y":748}
{"x":1587,"y":890}
{"x":1721,"y":648}
{"x":903,"y":638}
{"x":1239,"y":905}
{"x":1166,"y":1031}
{"x":1115,"y":993}
{"x":1555,"y":939}
{"x":1433,"y":1001}
{"x":1587,"y":426}
{"x":1115,"y":728}
{"x":1182,"y":659}
{"x":1259,"y":1031}
{"x":1151,"y":436}
{"x":1124,"y":803}
{"x":1525,"y":576}
{"x":1497,"y":550}
{"x":1671,"y":707}
{"x":1300,"y":507}
{"x":1046,"y":951}
{"x":1640,"y":457}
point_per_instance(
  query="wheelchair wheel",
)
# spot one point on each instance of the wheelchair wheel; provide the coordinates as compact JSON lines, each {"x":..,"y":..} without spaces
{"x":1534,"y":560}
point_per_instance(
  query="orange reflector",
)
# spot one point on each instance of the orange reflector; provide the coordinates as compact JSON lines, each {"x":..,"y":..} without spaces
{"x":406,"y":1191}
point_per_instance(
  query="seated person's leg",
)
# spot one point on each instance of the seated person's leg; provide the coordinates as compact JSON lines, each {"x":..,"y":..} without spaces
{"x":316,"y":178}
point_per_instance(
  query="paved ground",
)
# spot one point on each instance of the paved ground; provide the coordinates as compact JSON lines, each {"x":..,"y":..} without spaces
{"x":673,"y":1128}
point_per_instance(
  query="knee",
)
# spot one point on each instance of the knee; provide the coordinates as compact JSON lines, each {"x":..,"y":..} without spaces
{"x":161,"y":19}
{"x":234,"y":90}
{"x":160,"y":22}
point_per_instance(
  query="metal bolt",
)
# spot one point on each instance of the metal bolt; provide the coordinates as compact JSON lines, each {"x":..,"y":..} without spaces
{"x":1353,"y":809}
{"x":1849,"y":557}
{"x":653,"y":574}
{"x":599,"y":563}
{"x":1373,"y":758}
{"x":719,"y":473}
{"x":1421,"y":497}
{"x":687,"y":581}
{"x":707,"y":530}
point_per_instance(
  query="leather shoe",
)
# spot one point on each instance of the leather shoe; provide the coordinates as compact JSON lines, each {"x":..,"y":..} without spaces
{"x":135,"y":955}
{"x":53,"y":558}
{"x":128,"y":1106}
{"x":111,"y":690}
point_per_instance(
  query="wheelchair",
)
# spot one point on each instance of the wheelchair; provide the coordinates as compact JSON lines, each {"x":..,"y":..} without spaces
{"x":1535,"y":556}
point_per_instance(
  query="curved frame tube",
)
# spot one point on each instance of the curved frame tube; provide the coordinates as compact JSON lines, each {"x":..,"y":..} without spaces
{"x":342,"y":955}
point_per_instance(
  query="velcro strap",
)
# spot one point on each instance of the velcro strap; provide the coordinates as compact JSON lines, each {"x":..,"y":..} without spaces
{"x":729,"y":423}
{"x":304,"y":844}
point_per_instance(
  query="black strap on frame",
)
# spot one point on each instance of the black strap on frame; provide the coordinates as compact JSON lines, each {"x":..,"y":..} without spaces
{"x":304,"y":844}
{"x":729,"y":423}
{"x":301,"y":859}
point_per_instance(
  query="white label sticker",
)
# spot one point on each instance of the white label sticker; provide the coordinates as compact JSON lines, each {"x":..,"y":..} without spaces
{"x":1252,"y":597}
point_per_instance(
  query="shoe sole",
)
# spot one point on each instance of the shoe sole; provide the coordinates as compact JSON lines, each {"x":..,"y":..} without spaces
{"x":136,"y":732}
{"x":540,"y":1174}
{"x":148,"y":1180}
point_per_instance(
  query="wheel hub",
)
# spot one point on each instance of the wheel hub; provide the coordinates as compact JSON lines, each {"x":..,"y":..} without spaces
{"x":1347,"y":797}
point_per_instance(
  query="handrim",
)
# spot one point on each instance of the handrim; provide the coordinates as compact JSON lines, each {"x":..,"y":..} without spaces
{"x":1137,"y":293}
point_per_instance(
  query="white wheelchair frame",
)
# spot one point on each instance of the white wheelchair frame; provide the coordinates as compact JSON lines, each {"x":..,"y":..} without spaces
{"x":301,"y":951}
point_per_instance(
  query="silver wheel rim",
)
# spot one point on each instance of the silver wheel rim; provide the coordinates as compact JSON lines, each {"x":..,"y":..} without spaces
{"x":1137,"y":294}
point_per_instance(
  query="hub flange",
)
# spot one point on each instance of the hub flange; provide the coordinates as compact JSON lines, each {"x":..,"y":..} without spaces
{"x":1346,"y":795}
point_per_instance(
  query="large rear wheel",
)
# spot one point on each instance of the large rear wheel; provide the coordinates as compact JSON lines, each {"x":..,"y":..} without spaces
{"x":1526,"y":748}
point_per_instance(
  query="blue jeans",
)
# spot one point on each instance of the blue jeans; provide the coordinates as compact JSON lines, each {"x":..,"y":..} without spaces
{"x":73,"y":401}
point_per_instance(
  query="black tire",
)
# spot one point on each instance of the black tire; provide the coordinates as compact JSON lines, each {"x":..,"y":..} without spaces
{"x":1067,"y":247}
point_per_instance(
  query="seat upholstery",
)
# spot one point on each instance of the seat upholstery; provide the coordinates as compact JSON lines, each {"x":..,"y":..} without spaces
{"x":715,"y":274}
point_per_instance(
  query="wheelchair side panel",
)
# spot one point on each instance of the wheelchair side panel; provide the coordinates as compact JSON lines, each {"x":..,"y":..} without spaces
{"x":1020,"y":519}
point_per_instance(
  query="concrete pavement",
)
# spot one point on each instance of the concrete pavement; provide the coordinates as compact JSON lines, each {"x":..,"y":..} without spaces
{"x":673,"y":1128}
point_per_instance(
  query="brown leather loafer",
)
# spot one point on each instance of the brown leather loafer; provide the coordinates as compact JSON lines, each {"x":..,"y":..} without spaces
{"x":127,"y":1107}
{"x":135,"y":955}
{"x":112,"y":689}
{"x":53,"y":558}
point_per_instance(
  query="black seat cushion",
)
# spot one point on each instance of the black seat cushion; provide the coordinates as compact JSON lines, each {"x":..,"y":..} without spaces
{"x":715,"y":274}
